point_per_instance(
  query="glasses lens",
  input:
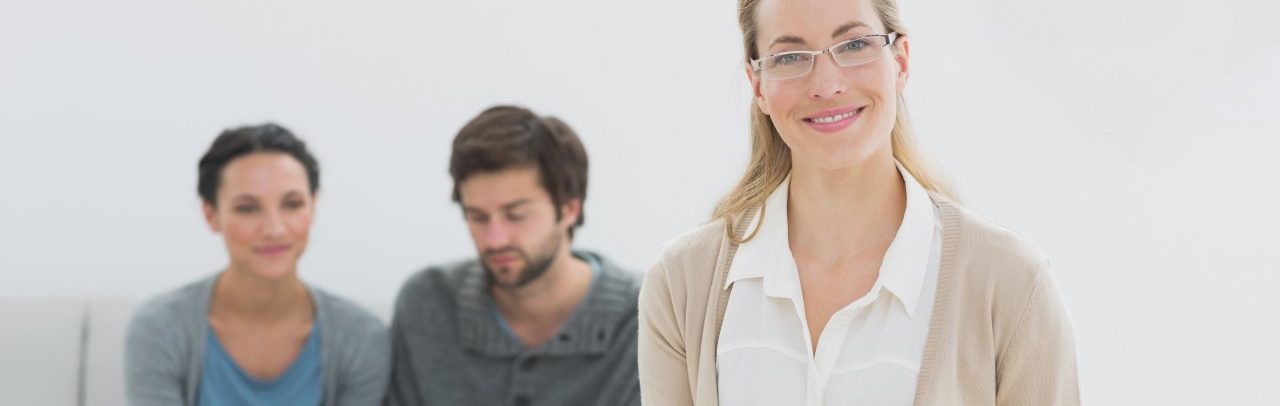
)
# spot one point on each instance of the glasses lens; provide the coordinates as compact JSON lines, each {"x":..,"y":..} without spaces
{"x":858,"y":50}
{"x":786,"y":66}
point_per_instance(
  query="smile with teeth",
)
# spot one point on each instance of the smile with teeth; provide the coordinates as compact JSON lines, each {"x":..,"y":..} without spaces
{"x":832,"y":119}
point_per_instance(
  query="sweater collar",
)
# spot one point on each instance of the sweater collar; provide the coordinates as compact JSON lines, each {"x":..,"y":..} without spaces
{"x":590,"y":330}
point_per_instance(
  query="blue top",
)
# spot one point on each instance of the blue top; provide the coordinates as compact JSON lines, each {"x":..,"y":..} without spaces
{"x":167,"y":344}
{"x":224,"y":383}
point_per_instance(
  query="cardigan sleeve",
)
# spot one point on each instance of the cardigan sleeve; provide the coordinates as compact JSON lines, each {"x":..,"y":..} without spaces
{"x":1038,"y":365}
{"x":366,"y":379}
{"x":664,"y":372}
{"x":153,"y":360}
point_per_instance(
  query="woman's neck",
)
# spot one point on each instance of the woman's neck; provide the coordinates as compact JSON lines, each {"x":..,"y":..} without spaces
{"x":244,"y":297}
{"x":837,"y":214}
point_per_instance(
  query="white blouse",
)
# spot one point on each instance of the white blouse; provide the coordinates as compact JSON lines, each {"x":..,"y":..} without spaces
{"x":869,"y":352}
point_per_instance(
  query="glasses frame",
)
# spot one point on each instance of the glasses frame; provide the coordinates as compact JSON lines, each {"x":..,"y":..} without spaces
{"x":758,"y":66}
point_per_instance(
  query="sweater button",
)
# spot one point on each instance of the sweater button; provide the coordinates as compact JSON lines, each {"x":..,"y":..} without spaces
{"x":522,"y":401}
{"x":527,"y":365}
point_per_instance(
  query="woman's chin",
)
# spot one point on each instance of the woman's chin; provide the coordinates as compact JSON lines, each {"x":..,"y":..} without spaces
{"x":833,"y":159}
{"x":849,"y":153}
{"x":273,"y":271}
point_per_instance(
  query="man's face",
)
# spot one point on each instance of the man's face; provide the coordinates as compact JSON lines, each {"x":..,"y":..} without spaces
{"x":514,"y":224}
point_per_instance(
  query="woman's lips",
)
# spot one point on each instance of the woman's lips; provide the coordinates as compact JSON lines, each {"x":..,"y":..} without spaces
{"x":834,"y":119}
{"x":272,"y":250}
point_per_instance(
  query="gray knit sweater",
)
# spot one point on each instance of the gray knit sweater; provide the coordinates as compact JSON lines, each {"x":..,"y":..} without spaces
{"x":451,"y":349}
{"x":165,"y":346}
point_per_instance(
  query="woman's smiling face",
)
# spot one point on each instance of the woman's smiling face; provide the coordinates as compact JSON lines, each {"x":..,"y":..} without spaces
{"x":264,"y":211}
{"x":835,"y":116}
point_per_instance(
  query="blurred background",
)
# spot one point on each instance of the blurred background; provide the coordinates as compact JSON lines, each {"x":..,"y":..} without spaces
{"x":1133,"y":140}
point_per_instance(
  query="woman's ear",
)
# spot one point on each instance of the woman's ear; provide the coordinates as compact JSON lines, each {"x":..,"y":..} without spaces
{"x":902,"y":56}
{"x":755,"y":90}
{"x":211,"y":217}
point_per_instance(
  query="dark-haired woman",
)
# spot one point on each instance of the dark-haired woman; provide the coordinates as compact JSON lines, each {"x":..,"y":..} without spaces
{"x":254,"y":333}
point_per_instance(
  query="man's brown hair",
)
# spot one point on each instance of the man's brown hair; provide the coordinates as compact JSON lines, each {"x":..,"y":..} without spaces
{"x":505,"y":137}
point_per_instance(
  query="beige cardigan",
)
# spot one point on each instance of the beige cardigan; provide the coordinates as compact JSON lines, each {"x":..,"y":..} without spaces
{"x":999,"y":334}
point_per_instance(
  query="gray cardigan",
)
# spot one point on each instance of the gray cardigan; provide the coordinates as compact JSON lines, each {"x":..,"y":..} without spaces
{"x":165,"y":347}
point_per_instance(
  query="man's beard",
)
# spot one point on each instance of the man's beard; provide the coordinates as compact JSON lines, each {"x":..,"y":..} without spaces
{"x":534,"y":266}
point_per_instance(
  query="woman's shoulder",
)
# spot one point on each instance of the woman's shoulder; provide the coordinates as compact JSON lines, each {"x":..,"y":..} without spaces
{"x":171,"y":308}
{"x":985,"y":251}
{"x":357,"y":341}
{"x":168,"y":325}
{"x":693,"y":251}
{"x":688,"y":262}
{"x":1002,"y":281}
{"x":345,"y":314}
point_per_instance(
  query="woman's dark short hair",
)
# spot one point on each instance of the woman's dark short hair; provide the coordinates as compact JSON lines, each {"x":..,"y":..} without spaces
{"x":237,"y":142}
{"x":506,"y":137}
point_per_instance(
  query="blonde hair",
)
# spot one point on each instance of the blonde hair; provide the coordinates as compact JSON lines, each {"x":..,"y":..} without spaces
{"x":771,"y":158}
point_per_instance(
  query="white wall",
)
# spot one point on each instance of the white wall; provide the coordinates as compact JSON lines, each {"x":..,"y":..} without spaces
{"x":1132,"y":140}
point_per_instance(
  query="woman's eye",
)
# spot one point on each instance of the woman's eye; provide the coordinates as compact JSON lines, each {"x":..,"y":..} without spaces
{"x":515,"y":217}
{"x":788,"y":59}
{"x":246,"y":209}
{"x":294,"y":204}
{"x":855,"y":45}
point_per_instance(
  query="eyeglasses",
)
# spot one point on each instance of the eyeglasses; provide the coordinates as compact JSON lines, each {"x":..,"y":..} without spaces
{"x":795,"y":64}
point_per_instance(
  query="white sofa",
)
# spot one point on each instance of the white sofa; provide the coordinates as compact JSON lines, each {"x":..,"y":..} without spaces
{"x":69,"y":352}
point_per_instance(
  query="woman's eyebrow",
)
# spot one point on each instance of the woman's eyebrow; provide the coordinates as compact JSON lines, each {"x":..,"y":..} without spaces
{"x":846,"y":27}
{"x":787,"y":39}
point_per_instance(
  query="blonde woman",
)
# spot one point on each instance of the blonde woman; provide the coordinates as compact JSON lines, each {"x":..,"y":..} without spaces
{"x":839,"y":271}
